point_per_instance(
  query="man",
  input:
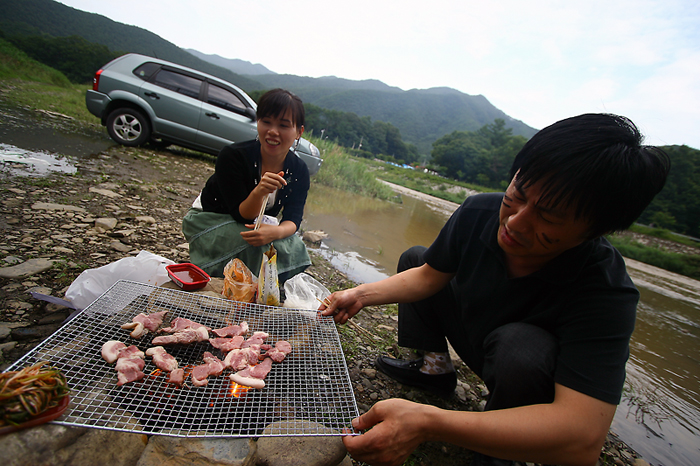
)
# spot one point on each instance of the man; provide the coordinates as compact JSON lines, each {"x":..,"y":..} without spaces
{"x":532,"y":298}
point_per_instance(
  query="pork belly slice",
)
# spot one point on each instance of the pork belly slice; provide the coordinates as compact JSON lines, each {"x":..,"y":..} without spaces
{"x":232,"y":330}
{"x":280,"y":351}
{"x":226,"y":344}
{"x":130,"y":352}
{"x":141,"y":324}
{"x":212,"y":366}
{"x":258,"y":338}
{"x":110,"y":350}
{"x":129,"y":370}
{"x":162,"y":359}
{"x":177,"y":377}
{"x":253,"y":376}
{"x":239,"y":359}
{"x":179,"y":324}
{"x":185,"y":337}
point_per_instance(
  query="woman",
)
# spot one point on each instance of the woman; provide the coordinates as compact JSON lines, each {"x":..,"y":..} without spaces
{"x":220,"y":225}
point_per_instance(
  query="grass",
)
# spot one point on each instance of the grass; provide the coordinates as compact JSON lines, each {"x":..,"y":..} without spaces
{"x":683,"y":264}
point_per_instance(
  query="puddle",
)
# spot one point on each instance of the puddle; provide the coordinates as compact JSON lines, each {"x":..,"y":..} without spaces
{"x":22,"y":162}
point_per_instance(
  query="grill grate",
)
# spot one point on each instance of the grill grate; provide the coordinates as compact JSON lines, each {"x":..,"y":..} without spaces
{"x":311,"y":384}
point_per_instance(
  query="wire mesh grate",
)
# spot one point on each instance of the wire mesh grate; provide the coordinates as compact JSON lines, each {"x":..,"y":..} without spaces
{"x":310,"y":390}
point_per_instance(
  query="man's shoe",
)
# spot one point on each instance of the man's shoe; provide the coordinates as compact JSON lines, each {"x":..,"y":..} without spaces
{"x":408,"y":373}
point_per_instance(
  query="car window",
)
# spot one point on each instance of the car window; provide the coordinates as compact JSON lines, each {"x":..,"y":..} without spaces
{"x":224,"y":98}
{"x":186,"y":85}
{"x":146,"y":70}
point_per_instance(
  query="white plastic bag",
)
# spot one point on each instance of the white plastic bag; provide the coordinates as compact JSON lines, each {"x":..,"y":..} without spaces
{"x":302,"y":291}
{"x":146,"y":267}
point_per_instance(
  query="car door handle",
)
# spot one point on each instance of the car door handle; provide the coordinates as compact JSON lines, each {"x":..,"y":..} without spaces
{"x":152,"y":95}
{"x":213,"y":115}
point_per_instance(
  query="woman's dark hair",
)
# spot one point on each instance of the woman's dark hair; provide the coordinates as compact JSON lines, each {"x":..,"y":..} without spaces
{"x":274,"y":103}
{"x":596,"y":163}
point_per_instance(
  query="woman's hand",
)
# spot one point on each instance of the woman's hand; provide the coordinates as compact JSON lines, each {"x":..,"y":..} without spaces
{"x":266,"y":234}
{"x":270,"y":182}
{"x":342,"y":305}
{"x":397,"y":428}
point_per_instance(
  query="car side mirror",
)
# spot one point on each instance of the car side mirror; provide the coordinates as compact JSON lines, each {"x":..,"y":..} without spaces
{"x":250,"y":112}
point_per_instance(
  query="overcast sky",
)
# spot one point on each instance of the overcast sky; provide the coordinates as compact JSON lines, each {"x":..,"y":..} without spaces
{"x":539,"y":60}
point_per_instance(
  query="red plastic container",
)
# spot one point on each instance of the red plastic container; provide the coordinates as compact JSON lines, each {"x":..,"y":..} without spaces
{"x":188,"y":276}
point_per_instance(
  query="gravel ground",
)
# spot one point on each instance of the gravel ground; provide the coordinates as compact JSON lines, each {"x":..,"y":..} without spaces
{"x":148,"y":191}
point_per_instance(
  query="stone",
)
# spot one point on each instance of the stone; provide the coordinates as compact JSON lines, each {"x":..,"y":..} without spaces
{"x":172,"y":451}
{"x":105,"y":192}
{"x":50,"y":206}
{"x":146,"y":219}
{"x":34,"y":332}
{"x":106,"y":223}
{"x":10,"y":345}
{"x":26,"y":269}
{"x":119,"y":246}
{"x":314,"y":236}
{"x":309,"y":450}
{"x":56,"y":445}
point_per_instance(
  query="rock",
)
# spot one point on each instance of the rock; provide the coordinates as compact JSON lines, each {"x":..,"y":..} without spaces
{"x":119,"y":246}
{"x":107,"y":223}
{"x":26,"y":269}
{"x":34,"y":332}
{"x":146,"y":219}
{"x":105,"y":192}
{"x":173,"y":451}
{"x":299,"y":451}
{"x":56,"y":445}
{"x":50,"y":206}
{"x":314,"y":236}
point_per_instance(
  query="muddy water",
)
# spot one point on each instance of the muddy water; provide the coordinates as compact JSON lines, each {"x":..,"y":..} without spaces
{"x":659,"y":415}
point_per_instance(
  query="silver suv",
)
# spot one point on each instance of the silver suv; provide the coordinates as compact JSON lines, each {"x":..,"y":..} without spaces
{"x":141,"y":99}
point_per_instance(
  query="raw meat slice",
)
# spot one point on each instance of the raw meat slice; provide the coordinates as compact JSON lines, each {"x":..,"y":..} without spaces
{"x":232,"y":330}
{"x":110,"y":350}
{"x":162,"y":359}
{"x":227,"y":344}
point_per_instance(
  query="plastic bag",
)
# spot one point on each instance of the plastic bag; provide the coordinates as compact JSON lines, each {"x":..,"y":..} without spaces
{"x":146,"y":267}
{"x":302,"y":291}
{"x":239,"y":282}
{"x":268,"y":281}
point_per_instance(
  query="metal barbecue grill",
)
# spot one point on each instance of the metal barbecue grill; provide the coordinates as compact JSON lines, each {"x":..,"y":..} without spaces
{"x":311,"y":385}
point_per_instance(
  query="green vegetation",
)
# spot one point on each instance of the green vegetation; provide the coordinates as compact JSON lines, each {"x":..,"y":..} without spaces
{"x":683,"y":264}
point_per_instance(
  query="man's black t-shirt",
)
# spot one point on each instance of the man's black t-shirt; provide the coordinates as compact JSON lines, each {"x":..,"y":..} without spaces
{"x":584,"y":297}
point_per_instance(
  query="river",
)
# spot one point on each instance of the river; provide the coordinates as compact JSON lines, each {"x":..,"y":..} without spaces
{"x":659,"y":416}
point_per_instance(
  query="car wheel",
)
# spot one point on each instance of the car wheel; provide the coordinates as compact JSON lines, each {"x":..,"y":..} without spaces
{"x":128,"y":127}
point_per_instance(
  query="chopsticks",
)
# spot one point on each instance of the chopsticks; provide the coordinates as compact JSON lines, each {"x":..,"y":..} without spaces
{"x":258,"y":221}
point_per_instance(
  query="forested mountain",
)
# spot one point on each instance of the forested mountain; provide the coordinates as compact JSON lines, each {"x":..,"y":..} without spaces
{"x":421,"y":116}
{"x":47,"y":17}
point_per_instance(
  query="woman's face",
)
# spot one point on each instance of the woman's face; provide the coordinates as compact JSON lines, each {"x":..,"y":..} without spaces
{"x":277,"y":134}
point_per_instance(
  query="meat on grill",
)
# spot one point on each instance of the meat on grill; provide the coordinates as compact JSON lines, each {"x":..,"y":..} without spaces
{"x":129,"y":359}
{"x":179,"y":324}
{"x":227,"y":344}
{"x":185,"y":336}
{"x":212,"y":366}
{"x":232,"y":330}
{"x":253,"y":376}
{"x":280,"y":351}
{"x":258,"y":338}
{"x":177,"y":377}
{"x":162,"y":359}
{"x":110,"y":350}
{"x":239,"y":359}
{"x":129,"y":370}
{"x":142,"y":323}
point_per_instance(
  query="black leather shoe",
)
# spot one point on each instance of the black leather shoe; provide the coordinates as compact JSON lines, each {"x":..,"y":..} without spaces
{"x":408,"y":373}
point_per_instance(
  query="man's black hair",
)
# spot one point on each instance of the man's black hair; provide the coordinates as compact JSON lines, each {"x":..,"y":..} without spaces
{"x":596,"y":163}
{"x":274,"y":103}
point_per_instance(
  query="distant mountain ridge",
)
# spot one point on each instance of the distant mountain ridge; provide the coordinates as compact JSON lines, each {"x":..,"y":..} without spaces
{"x":421,"y":115}
{"x":234,"y":64}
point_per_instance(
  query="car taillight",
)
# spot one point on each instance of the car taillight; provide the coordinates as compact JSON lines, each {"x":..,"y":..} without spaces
{"x":96,"y":80}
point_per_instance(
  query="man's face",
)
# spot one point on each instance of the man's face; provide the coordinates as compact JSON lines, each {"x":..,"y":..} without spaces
{"x":532,"y":234}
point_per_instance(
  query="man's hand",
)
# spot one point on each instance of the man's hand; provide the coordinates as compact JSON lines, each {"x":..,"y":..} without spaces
{"x":396,"y":429}
{"x":342,"y":305}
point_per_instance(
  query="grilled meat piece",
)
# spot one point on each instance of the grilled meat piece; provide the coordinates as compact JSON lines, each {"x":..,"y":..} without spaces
{"x":179,"y":324}
{"x":110,"y":350}
{"x":141,"y":324}
{"x":185,"y":336}
{"x":177,"y":377}
{"x":253,"y":376}
{"x":162,"y":359}
{"x":232,"y":330}
{"x":226,"y":344}
{"x":280,"y":351}
{"x":212,"y":366}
